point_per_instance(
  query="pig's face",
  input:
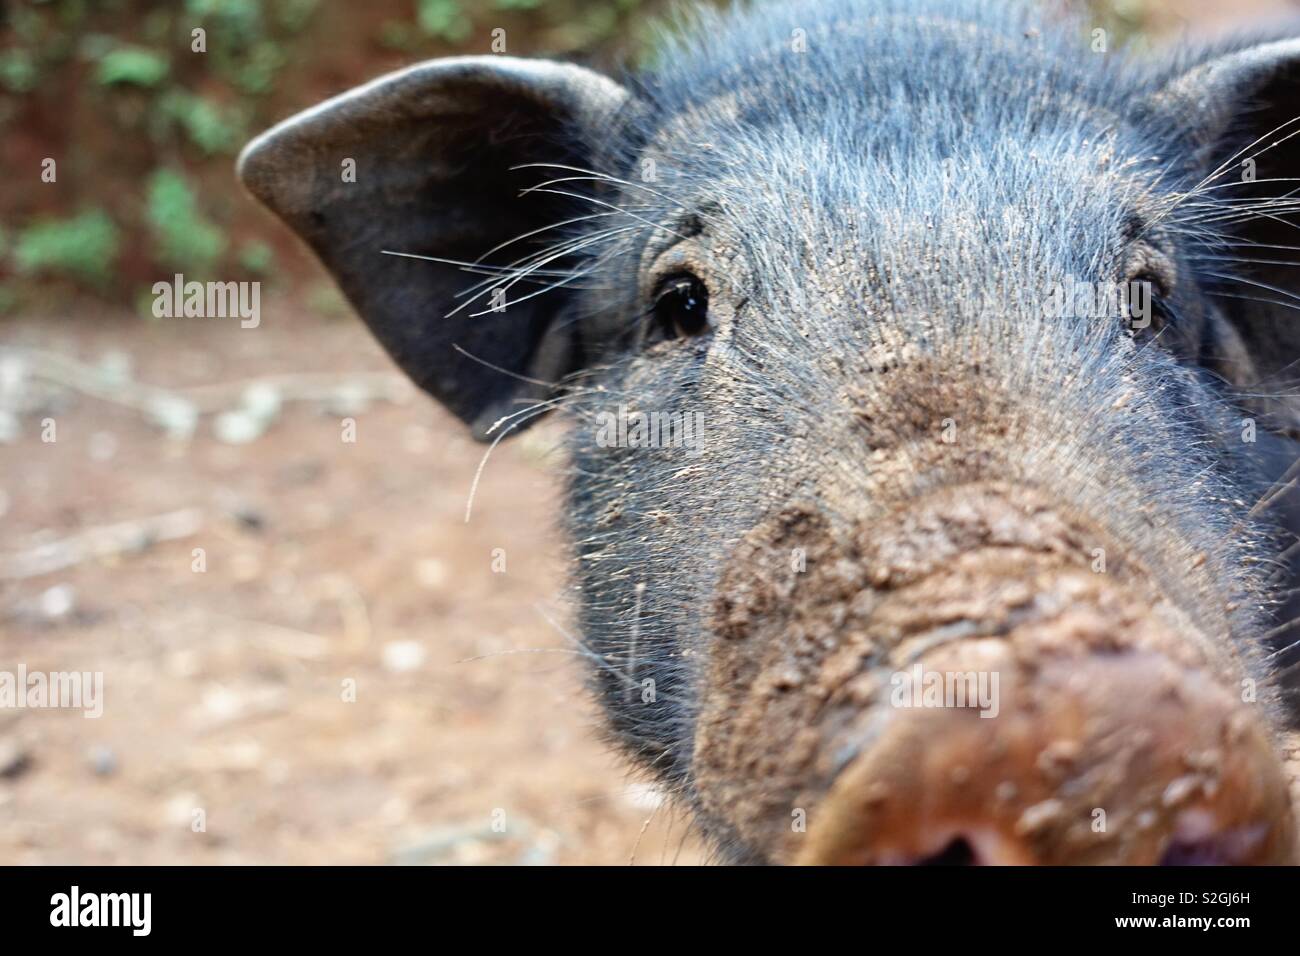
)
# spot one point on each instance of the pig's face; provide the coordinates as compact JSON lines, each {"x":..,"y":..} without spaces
{"x":921,"y":492}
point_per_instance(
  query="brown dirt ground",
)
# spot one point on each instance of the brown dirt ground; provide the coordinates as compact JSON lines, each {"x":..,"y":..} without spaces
{"x":223,"y":689}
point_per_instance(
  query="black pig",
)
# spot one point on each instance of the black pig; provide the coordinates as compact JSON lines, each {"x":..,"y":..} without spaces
{"x":929,"y":373}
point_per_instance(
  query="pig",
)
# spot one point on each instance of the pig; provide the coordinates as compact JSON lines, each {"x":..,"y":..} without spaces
{"x":928,"y":375}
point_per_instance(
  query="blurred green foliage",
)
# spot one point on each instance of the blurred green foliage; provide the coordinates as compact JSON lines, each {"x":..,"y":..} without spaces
{"x":184,"y":238}
{"x":443,"y":19}
{"x":83,"y":246}
{"x":144,"y":104}
{"x":213,"y":128}
{"x":256,"y":257}
{"x":131,"y":65}
{"x":17,"y":71}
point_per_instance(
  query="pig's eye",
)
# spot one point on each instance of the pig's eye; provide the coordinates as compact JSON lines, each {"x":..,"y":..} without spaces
{"x":681,"y":308}
{"x":1149,"y":310}
{"x":1162,"y":313}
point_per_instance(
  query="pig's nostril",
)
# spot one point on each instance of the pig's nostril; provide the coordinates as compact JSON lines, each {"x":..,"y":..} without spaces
{"x":958,"y":852}
{"x":1202,"y":847}
{"x":1194,"y":853}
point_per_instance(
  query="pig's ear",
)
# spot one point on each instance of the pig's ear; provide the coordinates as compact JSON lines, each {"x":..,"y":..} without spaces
{"x":431,"y":161}
{"x":1238,"y":114}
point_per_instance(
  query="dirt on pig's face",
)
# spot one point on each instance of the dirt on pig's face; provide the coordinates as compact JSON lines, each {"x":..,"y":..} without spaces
{"x":912,"y":512}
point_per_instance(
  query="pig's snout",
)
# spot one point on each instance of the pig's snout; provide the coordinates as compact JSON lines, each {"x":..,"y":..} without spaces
{"x":1124,"y":758}
{"x":971,"y":684}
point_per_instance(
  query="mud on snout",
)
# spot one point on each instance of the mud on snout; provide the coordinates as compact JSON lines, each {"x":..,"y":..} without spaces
{"x":963,"y":686}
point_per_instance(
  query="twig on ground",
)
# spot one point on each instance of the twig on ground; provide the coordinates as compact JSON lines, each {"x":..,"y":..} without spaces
{"x":99,"y":542}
